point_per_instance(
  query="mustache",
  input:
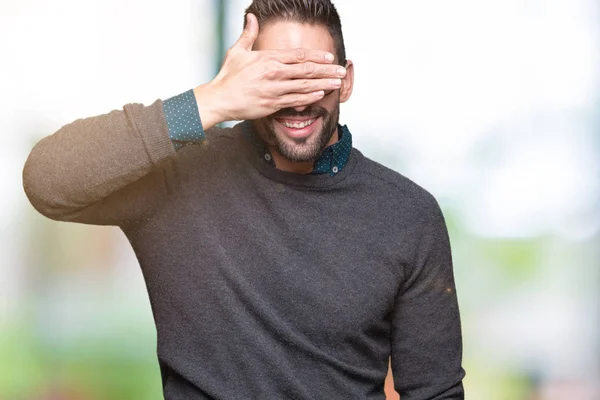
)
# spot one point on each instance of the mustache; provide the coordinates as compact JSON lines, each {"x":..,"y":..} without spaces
{"x":309,"y":112}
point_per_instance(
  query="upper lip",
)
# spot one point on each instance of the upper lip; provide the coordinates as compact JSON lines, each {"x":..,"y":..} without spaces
{"x":295,"y":119}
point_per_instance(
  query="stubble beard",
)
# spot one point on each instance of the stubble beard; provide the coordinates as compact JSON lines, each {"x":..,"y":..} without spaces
{"x":299,"y":149}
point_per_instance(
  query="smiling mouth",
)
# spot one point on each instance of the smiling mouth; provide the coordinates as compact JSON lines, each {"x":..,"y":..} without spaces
{"x":296,"y":124}
{"x":298,"y":129}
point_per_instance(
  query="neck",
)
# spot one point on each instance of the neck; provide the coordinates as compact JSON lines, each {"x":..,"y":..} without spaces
{"x":307,"y":167}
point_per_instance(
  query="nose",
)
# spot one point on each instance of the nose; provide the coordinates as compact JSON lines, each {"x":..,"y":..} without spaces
{"x":300,"y":109}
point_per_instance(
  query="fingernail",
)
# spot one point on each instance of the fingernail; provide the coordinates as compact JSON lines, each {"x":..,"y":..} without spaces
{"x":336,"y":82}
{"x":342,"y":71}
{"x":320,"y":93}
{"x":329,"y":57}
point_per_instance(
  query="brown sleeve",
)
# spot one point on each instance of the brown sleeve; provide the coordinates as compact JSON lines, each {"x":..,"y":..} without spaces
{"x":111,"y":169}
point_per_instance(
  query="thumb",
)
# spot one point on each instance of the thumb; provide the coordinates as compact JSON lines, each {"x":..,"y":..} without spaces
{"x":250,"y":33}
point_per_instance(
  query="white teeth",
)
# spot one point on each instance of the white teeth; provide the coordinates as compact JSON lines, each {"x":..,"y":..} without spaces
{"x":299,"y":125}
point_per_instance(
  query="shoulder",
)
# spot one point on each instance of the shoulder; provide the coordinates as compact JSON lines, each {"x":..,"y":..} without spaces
{"x":400,"y":191}
{"x":229,"y":133}
{"x":215,"y":143}
{"x":215,"y":136}
{"x":209,"y":157}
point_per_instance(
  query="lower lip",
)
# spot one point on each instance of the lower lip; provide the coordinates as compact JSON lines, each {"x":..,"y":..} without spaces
{"x":299,"y":133}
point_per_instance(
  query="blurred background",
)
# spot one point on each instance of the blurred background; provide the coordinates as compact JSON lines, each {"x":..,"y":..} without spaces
{"x":491,"y":105}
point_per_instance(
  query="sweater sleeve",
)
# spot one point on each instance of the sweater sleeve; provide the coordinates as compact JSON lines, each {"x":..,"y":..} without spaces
{"x":110,"y":169}
{"x":183,"y":119}
{"x":426,"y":331}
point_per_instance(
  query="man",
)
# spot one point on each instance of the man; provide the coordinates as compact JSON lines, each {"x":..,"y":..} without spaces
{"x":280,"y":262}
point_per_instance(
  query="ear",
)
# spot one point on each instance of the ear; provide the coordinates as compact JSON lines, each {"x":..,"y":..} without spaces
{"x":347,"y":82}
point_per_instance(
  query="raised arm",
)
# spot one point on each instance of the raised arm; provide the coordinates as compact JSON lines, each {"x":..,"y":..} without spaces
{"x":115,"y":168}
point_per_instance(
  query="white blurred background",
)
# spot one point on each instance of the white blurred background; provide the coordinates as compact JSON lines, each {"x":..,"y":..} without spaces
{"x":491,"y":105}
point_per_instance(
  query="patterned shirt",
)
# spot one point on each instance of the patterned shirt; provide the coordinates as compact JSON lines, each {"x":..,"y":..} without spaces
{"x":183,"y":121}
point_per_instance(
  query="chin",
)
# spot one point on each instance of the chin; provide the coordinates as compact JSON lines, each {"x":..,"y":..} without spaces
{"x":301,"y":150}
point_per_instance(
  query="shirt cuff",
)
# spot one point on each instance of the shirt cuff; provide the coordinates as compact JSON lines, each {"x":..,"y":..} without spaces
{"x":183,"y":119}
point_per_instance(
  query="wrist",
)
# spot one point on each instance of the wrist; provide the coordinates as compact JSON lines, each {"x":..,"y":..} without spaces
{"x":209,"y":106}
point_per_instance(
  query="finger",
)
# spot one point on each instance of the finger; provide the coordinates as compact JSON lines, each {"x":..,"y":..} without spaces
{"x":307,"y":85}
{"x":293,"y":56}
{"x":299,"y":99}
{"x":249,"y":34}
{"x":311,"y":70}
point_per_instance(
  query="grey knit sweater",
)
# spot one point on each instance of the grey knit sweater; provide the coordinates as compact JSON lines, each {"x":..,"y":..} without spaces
{"x":264,"y":284}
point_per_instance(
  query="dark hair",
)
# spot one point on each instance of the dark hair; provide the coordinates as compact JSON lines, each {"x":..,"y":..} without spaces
{"x":314,"y":12}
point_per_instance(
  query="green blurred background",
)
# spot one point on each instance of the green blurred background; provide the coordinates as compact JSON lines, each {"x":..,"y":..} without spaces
{"x":491,"y":105}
